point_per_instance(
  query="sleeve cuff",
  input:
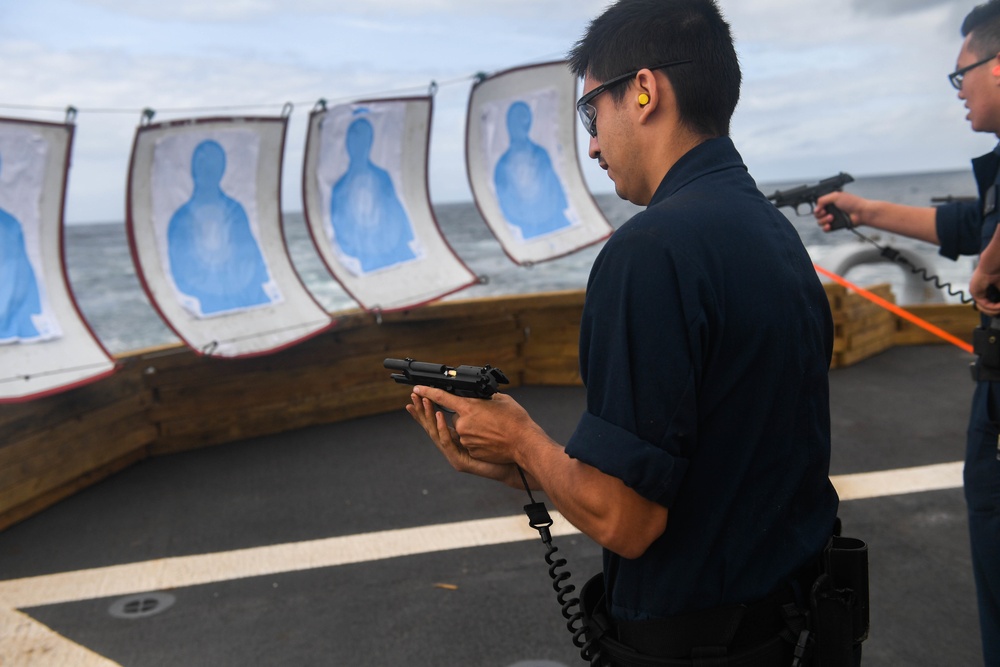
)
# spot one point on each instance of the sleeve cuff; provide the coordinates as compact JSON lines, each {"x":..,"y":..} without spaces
{"x":653,"y":473}
{"x":946,"y":224}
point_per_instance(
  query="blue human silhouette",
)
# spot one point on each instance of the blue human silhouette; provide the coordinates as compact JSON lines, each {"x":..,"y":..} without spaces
{"x":528,"y":190}
{"x":213,"y":254}
{"x":368,"y":220}
{"x":19,"y":298}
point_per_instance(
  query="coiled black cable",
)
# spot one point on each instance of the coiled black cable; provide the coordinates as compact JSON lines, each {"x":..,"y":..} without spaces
{"x":539,"y":519}
{"x":894,"y":255}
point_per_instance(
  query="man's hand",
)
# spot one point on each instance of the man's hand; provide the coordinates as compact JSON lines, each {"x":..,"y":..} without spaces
{"x":851,"y":205}
{"x":447,"y":440}
{"x":985,"y":281}
{"x":987,"y":300}
{"x":492,"y":437}
{"x":491,"y":430}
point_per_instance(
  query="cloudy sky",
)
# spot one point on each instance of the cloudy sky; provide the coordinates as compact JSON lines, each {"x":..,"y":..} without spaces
{"x":829,"y":85}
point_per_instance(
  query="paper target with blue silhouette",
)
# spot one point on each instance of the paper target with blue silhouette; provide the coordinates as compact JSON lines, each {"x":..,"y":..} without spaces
{"x":204,"y":211}
{"x":25,"y":313}
{"x":523,"y":167}
{"x":45,"y":345}
{"x":366,"y":203}
{"x":207,"y":240}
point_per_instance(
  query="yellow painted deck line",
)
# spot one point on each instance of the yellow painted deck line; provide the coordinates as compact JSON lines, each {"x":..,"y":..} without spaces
{"x":899,"y":482}
{"x":182,"y":571}
{"x":27,"y":643}
{"x":178,"y":572}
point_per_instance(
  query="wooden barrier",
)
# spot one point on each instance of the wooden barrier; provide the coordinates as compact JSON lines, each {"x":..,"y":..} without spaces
{"x":959,"y":321}
{"x":170,"y":399}
{"x":863,"y":329}
{"x":55,"y":446}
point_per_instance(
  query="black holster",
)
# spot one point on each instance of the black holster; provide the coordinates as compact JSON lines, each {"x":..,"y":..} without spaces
{"x":838,"y":615}
{"x":986,"y":345}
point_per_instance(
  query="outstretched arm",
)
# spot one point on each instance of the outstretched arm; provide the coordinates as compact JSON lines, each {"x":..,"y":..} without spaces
{"x":917,"y":222}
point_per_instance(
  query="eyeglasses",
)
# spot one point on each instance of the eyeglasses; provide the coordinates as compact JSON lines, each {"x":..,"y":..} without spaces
{"x":958,"y":75}
{"x":587,"y":111}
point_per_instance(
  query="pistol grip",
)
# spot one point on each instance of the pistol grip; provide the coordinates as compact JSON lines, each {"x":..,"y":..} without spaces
{"x":840,"y":219}
{"x":992,"y":293}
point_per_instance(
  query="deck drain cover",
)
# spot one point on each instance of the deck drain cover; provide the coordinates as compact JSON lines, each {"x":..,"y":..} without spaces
{"x":142,"y":605}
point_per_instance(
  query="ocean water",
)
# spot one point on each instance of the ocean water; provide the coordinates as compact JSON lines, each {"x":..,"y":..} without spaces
{"x":110,"y":298}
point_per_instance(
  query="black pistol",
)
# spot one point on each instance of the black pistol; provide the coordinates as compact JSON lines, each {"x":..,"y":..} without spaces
{"x":465,"y":381}
{"x":806,"y":195}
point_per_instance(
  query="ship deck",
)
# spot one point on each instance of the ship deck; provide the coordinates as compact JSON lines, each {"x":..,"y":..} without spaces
{"x":355,"y":544}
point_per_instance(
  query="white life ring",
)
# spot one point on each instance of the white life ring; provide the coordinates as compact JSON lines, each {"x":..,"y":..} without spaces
{"x":841,"y":259}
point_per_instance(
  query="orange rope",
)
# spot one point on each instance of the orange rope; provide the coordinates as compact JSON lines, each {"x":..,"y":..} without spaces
{"x":896,"y":310}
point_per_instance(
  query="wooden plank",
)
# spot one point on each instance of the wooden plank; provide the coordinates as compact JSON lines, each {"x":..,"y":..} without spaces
{"x":370,"y":393}
{"x":281,"y":416}
{"x":19,"y":420}
{"x":59,"y":451}
{"x":554,"y":378}
{"x":835,"y":293}
{"x":870,"y":322}
{"x":336,"y":348}
{"x":553,"y":375}
{"x":880,"y":336}
{"x":241,"y":391}
{"x":52,"y":441}
{"x":559,"y":335}
{"x":14,"y":514}
{"x":559,"y":349}
{"x":862,"y":352}
{"x":507,"y":304}
{"x":866,"y":325}
{"x":70,"y":460}
{"x":959,"y":320}
{"x":854,"y":306}
{"x":839,"y":344}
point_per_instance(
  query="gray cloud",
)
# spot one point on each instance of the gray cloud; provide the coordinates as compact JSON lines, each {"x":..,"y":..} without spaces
{"x":899,"y":7}
{"x":241,"y":10}
{"x":854,"y":85}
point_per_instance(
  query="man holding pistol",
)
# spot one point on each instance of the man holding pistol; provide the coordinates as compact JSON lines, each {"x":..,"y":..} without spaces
{"x":701,"y":461}
{"x":965,"y":228}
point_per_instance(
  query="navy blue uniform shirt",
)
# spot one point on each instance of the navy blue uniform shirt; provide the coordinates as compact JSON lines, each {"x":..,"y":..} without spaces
{"x":705,"y":347}
{"x":965,"y":228}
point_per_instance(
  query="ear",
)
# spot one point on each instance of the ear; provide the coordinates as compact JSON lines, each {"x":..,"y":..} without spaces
{"x":647,"y":94}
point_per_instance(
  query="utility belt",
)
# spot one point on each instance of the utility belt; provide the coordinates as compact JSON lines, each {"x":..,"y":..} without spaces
{"x":986,"y":345}
{"x":811,"y":621}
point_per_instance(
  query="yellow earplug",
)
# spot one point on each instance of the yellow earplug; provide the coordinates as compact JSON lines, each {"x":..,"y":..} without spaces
{"x":643,"y":99}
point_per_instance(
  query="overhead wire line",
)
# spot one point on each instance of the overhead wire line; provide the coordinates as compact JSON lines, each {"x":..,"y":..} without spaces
{"x":433,"y":86}
{"x":147,"y":113}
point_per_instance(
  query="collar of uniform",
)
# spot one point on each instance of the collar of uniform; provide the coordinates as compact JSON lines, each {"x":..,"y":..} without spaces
{"x":986,"y":169}
{"x":709,"y":156}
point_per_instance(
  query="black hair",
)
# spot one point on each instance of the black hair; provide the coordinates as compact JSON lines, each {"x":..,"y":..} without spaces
{"x":983,"y":23}
{"x":635,"y":34}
